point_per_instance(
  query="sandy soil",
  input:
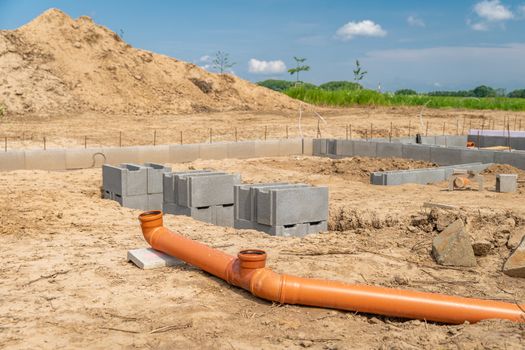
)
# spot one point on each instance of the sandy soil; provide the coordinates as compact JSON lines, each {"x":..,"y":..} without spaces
{"x":73,"y":130}
{"x":65,"y":282}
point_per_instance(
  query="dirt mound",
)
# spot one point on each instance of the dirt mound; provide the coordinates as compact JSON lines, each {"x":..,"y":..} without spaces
{"x":59,"y":63}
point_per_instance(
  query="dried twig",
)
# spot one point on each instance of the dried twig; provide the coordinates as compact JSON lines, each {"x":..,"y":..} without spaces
{"x":53,"y":275}
{"x":311,"y":253}
{"x":120,"y":330}
{"x":171,"y":328}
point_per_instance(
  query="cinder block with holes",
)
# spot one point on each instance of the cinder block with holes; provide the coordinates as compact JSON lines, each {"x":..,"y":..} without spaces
{"x":281,"y":209}
{"x":155,"y":173}
{"x":206,"y":189}
{"x":125,"y":179}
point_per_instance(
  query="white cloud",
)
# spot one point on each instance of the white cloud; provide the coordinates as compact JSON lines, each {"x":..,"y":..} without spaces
{"x":205,"y":58}
{"x":415,"y":21}
{"x":493,"y":10}
{"x":363,"y":28}
{"x":479,"y":26}
{"x":266,"y":67}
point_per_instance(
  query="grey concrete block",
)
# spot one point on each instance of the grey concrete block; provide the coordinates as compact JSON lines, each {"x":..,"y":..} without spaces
{"x":125,"y":179}
{"x":516,"y":159}
{"x":154,"y":201}
{"x":288,"y":206}
{"x":316,"y":147}
{"x":331,"y":147}
{"x":377,"y":178}
{"x":204,"y":214}
{"x":428,"y":140}
{"x":155,"y":173}
{"x":134,"y":202}
{"x":389,"y":150}
{"x":445,"y":156}
{"x":245,"y":198}
{"x":308,"y":147}
{"x":456,"y":140}
{"x":169,"y":184}
{"x":365,"y":148}
{"x":222,"y":215}
{"x":206,"y":189}
{"x":323,"y":146}
{"x":149,"y":258}
{"x":345,"y":148}
{"x":506,"y":182}
{"x":416,"y":152}
{"x":476,"y":155}
{"x":316,"y":227}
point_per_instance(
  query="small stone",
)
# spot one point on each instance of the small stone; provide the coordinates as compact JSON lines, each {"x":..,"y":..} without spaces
{"x":77,"y":45}
{"x":412,"y":229}
{"x":515,"y":264}
{"x":515,"y":239}
{"x":452,"y":247}
{"x":306,"y":343}
{"x":481,"y":247}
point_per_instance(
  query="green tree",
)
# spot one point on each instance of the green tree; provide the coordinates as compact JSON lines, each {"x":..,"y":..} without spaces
{"x":282,"y":85}
{"x":484,"y":91}
{"x":520,"y":93}
{"x":359,"y":74}
{"x":299,"y":67}
{"x":222,"y":62}
{"x":340,"y":85}
{"x":406,"y":92}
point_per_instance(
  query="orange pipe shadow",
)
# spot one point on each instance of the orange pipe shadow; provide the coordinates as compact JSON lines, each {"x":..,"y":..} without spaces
{"x":248,"y":271}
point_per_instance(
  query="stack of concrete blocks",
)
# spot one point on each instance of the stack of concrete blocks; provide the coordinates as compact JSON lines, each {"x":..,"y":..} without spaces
{"x":204,"y":195}
{"x":421,"y":176}
{"x":506,"y":182}
{"x":281,"y":209}
{"x":134,"y":186}
{"x":492,"y":138}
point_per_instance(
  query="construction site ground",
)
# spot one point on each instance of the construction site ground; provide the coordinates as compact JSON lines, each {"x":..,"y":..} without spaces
{"x":65,"y":281}
{"x":95,"y":129}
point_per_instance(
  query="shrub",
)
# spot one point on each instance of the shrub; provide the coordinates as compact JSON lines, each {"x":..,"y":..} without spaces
{"x":520,"y":93}
{"x":340,"y":85}
{"x":406,"y":92}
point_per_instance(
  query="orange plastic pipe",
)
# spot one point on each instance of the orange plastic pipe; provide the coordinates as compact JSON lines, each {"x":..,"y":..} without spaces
{"x":248,"y":271}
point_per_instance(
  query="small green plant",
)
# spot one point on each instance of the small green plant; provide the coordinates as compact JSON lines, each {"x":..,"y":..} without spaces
{"x":359,"y":74}
{"x":298,"y":68}
{"x":222,"y":62}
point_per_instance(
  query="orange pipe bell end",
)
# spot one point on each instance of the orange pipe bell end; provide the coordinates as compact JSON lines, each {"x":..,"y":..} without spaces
{"x":248,"y":270}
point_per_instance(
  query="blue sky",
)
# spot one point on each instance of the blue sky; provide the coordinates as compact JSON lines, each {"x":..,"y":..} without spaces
{"x":425,"y":45}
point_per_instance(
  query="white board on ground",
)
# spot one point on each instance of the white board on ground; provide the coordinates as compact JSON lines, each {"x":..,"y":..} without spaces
{"x":149,"y":258}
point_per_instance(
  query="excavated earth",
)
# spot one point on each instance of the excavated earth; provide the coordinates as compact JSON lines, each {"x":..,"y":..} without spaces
{"x":65,"y":281}
{"x":57,"y":64}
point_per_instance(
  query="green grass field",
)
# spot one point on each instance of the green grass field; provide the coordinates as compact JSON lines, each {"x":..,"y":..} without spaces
{"x":372,"y":98}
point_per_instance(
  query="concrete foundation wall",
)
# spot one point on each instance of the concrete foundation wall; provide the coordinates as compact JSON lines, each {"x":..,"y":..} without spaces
{"x":81,"y":158}
{"x":421,"y":176}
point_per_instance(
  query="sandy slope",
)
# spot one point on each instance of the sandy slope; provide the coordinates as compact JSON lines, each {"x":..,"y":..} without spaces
{"x":55,"y":64}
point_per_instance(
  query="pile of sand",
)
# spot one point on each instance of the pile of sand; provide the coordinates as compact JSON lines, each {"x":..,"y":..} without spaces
{"x":57,"y":64}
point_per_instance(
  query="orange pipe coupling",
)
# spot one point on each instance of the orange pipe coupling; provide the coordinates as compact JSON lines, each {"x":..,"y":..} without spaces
{"x":248,"y":271}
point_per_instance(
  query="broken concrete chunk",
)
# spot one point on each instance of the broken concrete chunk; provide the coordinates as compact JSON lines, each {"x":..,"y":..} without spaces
{"x":481,"y":247}
{"x":452,"y":247}
{"x":515,"y":264}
